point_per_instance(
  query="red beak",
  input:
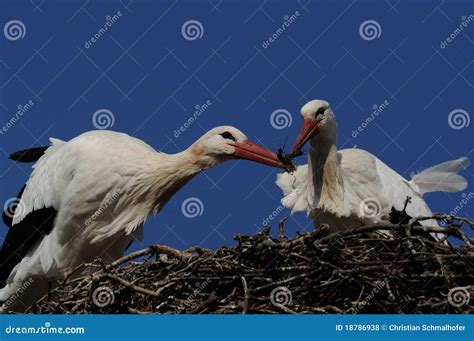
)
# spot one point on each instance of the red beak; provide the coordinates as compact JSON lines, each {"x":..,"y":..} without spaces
{"x":250,"y":151}
{"x":309,"y":129}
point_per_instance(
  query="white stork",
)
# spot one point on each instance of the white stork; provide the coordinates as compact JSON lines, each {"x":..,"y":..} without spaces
{"x":90,"y":197}
{"x":352,"y":187}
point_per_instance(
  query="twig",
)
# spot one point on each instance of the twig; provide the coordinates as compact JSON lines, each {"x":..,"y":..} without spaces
{"x":130,"y":286}
{"x":281,"y":229}
{"x":328,"y":274}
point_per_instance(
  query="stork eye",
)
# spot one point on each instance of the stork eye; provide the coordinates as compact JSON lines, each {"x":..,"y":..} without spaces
{"x":320,"y":111}
{"x":228,"y":136}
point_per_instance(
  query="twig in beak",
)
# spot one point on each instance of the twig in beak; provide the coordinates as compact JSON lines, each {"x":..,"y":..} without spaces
{"x":287,"y":159}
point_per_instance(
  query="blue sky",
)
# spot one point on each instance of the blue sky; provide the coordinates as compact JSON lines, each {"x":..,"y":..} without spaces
{"x":151,"y":77}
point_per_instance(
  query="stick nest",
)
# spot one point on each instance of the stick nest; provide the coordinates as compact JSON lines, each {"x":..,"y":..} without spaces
{"x":359,"y":271}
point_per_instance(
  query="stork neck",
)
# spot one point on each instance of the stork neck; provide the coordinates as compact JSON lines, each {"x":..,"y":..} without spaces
{"x":182,"y":167}
{"x":161,"y":177}
{"x":325,"y":178}
{"x":188,"y":163}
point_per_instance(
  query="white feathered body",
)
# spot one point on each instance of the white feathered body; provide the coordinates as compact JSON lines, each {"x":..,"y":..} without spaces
{"x":352,"y":187}
{"x":103,"y":185}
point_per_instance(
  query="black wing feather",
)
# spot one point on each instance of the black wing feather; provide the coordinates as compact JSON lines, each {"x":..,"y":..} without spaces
{"x":28,"y":155}
{"x":22,"y":237}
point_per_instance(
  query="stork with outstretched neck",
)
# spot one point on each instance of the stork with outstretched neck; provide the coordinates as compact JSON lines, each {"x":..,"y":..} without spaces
{"x":90,"y":197}
{"x":352,"y":187}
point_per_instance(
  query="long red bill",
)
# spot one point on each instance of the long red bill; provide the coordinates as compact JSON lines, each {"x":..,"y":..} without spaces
{"x":250,"y":151}
{"x":309,"y":129}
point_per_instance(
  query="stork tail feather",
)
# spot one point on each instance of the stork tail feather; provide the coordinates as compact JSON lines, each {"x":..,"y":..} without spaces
{"x":442,"y":177}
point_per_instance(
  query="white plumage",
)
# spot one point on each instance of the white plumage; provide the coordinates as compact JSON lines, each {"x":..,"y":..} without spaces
{"x":103,"y":185}
{"x":352,"y":187}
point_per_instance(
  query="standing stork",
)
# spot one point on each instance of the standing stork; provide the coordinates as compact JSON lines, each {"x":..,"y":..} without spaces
{"x":91,"y":196}
{"x":352,"y":187}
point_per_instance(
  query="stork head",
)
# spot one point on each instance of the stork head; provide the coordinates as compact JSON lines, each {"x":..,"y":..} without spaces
{"x":226,"y":142}
{"x":317,"y":117}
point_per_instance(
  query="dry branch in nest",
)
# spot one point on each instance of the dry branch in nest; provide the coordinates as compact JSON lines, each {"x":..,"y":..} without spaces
{"x":358,"y":271}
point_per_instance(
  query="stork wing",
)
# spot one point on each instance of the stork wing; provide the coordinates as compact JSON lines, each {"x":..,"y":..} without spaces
{"x":43,"y":189}
{"x":25,"y":155}
{"x":34,"y":212}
